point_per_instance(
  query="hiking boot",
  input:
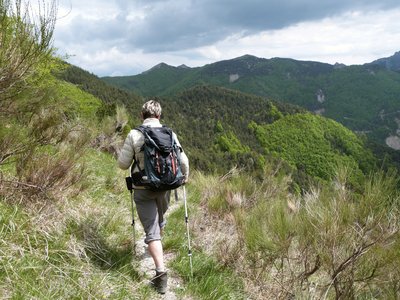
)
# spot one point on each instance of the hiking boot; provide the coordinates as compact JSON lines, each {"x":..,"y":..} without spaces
{"x":159,"y":282}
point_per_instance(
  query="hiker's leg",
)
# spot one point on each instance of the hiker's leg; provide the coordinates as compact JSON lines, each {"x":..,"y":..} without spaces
{"x":156,"y":252}
{"x":146,"y":207}
{"x":162,"y":206}
{"x":151,"y":207}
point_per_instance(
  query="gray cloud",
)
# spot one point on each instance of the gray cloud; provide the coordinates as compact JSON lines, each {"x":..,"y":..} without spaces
{"x":172,"y":25}
{"x":128,"y":36}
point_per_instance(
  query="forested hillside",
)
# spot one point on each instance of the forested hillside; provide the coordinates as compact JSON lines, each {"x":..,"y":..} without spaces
{"x":364,"y":98}
{"x":316,"y":146}
{"x":225,"y":131}
{"x":90,"y":83}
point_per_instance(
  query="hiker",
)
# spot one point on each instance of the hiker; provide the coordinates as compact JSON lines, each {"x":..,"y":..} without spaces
{"x":151,"y":205}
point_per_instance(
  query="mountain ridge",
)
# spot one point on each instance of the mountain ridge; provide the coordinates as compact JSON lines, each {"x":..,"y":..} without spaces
{"x":390,"y":63}
{"x":356,"y":95}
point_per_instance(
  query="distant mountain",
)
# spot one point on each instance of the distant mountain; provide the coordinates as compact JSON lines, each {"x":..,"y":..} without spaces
{"x":390,"y":63}
{"x":364,"y":98}
{"x":152,"y":82}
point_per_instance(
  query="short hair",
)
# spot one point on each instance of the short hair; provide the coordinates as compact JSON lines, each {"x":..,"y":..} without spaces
{"x":151,"y":109}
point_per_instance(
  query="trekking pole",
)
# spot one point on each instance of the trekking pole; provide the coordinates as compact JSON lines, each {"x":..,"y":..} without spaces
{"x":129,"y":185}
{"x":187,"y":232}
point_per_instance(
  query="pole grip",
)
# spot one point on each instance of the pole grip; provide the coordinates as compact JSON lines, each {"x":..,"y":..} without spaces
{"x":176,"y":195}
{"x":129,"y":183}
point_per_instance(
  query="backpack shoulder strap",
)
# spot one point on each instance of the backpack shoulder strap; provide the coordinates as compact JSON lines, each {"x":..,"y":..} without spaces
{"x":141,"y":128}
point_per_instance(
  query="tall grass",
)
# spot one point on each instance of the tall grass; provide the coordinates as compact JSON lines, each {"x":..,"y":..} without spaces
{"x":326,"y":243}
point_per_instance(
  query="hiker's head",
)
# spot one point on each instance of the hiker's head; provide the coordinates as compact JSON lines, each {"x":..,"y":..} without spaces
{"x":151,"y":109}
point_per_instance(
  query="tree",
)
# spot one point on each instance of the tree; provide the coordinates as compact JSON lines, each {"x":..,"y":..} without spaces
{"x":25,"y":51}
{"x":25,"y":44}
{"x":33,"y":123}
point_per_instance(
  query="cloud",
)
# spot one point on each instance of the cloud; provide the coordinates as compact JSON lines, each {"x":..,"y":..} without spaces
{"x":180,"y":24}
{"x":351,"y":38}
{"x":127,"y":37}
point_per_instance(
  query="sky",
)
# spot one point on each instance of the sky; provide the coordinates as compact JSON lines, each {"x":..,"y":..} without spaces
{"x":127,"y":37}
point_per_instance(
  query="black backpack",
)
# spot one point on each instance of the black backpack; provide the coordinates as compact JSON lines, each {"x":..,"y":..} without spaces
{"x":162,"y":163}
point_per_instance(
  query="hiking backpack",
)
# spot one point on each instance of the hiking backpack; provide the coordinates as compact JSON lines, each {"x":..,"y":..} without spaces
{"x":162,"y":164}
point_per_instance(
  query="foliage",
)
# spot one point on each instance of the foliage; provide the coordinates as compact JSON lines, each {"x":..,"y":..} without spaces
{"x":228,"y":142}
{"x":44,"y":142}
{"x":211,"y":279}
{"x":25,"y":39}
{"x":113,"y":129}
{"x":44,"y":121}
{"x":216,"y":135}
{"x":44,"y":148}
{"x":77,"y":102}
{"x":316,"y":146}
{"x":332,"y":239}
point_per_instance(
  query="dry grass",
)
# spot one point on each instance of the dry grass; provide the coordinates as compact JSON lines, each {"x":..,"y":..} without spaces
{"x":324,"y":244}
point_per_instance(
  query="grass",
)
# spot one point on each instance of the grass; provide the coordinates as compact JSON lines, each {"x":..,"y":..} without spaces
{"x":247,"y":237}
{"x":75,"y":248}
{"x":259,"y":241}
{"x":211,"y":278}
{"x":81,"y":247}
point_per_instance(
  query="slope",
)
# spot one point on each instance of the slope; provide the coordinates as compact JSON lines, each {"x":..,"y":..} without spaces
{"x":90,"y":83}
